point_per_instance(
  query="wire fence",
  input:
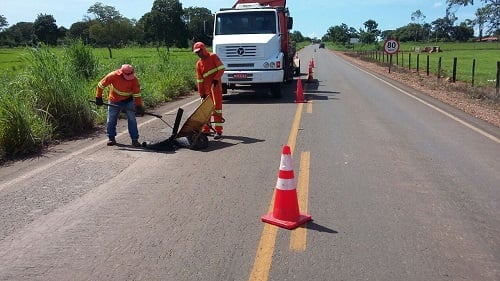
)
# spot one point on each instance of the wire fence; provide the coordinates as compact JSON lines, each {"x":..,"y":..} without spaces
{"x":421,"y":64}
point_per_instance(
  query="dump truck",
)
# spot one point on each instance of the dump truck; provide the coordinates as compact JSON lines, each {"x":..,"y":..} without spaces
{"x":252,"y":38}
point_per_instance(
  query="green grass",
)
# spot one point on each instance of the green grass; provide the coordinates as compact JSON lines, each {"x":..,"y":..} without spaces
{"x":46,"y":90}
{"x":486,"y":55}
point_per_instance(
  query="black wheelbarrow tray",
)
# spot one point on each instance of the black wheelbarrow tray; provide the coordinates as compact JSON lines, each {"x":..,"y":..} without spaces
{"x":190,"y":134}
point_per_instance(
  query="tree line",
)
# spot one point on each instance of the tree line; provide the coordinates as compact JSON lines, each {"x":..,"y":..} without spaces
{"x":167,"y":24}
{"x":442,"y":29}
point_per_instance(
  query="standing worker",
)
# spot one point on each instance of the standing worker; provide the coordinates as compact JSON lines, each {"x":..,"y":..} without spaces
{"x":209,"y":70}
{"x":124,"y":92}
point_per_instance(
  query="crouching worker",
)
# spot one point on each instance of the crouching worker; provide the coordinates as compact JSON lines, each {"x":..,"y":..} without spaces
{"x":123,"y":93}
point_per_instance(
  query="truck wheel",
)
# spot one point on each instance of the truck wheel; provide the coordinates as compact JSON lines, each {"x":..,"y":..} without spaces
{"x":277,"y":90}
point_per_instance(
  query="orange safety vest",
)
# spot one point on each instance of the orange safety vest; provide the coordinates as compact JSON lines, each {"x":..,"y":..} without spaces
{"x":208,"y":69}
{"x":121,"y":89}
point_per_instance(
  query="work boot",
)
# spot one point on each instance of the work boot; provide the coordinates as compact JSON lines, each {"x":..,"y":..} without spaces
{"x":136,"y":143}
{"x":217,"y":136}
{"x":111,"y":142}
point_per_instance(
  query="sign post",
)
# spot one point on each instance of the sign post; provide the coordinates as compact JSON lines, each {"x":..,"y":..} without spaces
{"x":391,"y":46}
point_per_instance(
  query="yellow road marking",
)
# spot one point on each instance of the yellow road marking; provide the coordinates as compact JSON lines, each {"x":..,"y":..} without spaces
{"x":309,"y":106}
{"x":262,"y":263}
{"x":265,"y":250}
{"x":298,"y":236}
{"x":292,"y":139}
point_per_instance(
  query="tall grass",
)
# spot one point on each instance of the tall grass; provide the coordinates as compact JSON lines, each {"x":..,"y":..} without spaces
{"x":57,"y":89}
{"x":52,"y":87}
{"x":21,"y":131}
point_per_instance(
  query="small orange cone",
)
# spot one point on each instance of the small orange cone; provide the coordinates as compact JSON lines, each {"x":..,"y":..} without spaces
{"x":312,"y":62}
{"x":299,"y":96}
{"x":286,"y":205}
{"x":310,"y":78}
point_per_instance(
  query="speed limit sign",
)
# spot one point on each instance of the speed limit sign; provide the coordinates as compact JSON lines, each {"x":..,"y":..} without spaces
{"x":391,"y":46}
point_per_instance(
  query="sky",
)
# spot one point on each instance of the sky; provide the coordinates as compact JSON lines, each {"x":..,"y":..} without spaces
{"x":311,"y":17}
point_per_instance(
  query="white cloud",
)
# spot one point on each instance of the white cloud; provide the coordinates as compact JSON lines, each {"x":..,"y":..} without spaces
{"x":438,"y":4}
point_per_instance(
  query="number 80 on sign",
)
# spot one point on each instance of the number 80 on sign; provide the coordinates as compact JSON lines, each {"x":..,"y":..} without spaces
{"x":391,"y":46}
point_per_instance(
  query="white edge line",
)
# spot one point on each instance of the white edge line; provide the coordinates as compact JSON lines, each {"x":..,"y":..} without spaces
{"x":75,"y":153}
{"x":453,"y":117}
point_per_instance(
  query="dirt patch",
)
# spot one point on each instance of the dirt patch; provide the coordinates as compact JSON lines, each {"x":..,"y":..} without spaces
{"x":458,"y":95}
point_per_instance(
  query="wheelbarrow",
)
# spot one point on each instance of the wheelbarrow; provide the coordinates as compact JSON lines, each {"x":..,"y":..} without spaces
{"x":190,"y":135}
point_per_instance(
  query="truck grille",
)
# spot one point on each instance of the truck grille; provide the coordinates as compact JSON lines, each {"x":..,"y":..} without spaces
{"x":239,"y":51}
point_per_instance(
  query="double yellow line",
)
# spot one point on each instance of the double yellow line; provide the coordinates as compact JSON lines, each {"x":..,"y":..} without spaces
{"x":265,"y":250}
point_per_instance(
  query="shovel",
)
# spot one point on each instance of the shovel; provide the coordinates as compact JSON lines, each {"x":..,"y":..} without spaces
{"x":133,"y":110}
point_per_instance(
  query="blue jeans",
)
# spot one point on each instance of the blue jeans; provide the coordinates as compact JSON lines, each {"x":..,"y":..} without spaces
{"x":112,"y":120}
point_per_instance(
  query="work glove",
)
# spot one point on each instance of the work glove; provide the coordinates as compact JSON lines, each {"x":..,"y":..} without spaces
{"x":98,"y":101}
{"x":139,"y":110}
{"x":215,"y":83}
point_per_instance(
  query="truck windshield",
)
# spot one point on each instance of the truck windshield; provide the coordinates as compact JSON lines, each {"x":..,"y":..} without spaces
{"x":258,"y":22}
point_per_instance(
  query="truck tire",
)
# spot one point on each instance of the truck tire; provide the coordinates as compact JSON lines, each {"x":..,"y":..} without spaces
{"x":277,"y":90}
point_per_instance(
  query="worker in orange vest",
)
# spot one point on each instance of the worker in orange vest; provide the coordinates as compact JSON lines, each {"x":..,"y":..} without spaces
{"x":209,"y":70}
{"x":125,"y":92}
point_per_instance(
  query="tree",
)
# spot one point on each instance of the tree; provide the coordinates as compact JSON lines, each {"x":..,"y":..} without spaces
{"x":410,"y":32}
{"x":297,"y":36}
{"x":371,"y":33}
{"x":19,"y":34}
{"x":199,"y":22}
{"x":338,"y":34}
{"x":417,"y":16}
{"x":164,"y":23}
{"x":104,"y":14}
{"x":443,"y":27}
{"x":3,"y":22}
{"x":109,"y":28}
{"x":489,"y":14}
{"x":80,"y":30}
{"x":463,"y":32}
{"x":45,"y":29}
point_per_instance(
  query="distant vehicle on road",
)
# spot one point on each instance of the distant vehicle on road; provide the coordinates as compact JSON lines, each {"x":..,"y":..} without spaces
{"x":321,"y":45}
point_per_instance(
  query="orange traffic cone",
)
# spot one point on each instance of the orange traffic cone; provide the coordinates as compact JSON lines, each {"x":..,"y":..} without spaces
{"x":312,"y":62}
{"x":310,"y":78}
{"x":300,"y":92}
{"x":286,"y":206}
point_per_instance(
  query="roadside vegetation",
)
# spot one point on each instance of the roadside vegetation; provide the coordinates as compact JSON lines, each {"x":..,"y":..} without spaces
{"x":485,"y":56}
{"x":47,"y":90}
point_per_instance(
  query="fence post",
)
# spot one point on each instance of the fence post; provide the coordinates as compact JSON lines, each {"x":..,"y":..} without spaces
{"x":498,"y":80}
{"x":439,"y":69}
{"x":427,"y":65}
{"x":418,"y":62}
{"x":473,"y":71}
{"x":454,"y":70}
{"x":409,"y":61}
{"x":390,"y":62}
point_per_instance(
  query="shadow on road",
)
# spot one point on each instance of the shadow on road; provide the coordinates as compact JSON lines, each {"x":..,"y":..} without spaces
{"x":314,"y":226}
{"x":220,"y":144}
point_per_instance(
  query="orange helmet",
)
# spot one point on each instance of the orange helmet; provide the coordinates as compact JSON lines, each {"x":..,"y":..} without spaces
{"x":198,"y":46}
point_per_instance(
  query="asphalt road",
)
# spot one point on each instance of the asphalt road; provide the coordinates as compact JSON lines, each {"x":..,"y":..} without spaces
{"x":399,"y":186}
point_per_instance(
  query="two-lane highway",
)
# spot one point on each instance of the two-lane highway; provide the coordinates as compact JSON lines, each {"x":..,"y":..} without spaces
{"x":400,"y":187}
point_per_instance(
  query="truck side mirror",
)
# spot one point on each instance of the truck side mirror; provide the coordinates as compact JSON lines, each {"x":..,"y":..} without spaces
{"x":289,"y":23}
